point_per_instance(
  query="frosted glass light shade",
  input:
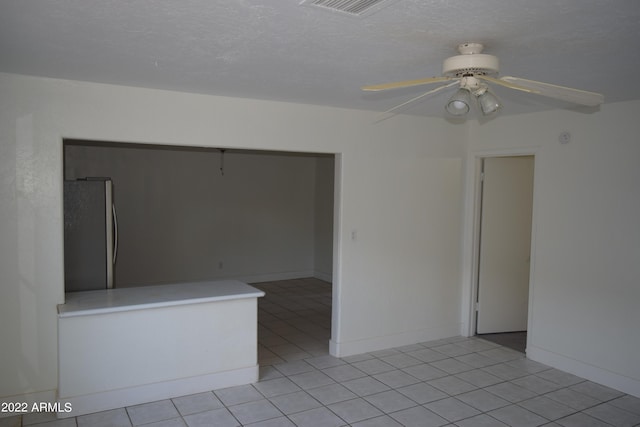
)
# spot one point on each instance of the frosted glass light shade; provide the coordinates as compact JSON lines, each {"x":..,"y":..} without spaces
{"x":489,"y":103}
{"x":458,"y":104}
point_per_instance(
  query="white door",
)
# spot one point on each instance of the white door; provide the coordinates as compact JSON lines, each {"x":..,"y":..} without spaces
{"x":505,"y":244}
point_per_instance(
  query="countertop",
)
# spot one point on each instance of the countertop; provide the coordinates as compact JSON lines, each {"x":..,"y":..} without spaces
{"x":127,"y":299}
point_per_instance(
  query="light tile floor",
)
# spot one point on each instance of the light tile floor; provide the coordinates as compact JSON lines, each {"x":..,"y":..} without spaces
{"x":464,"y":382}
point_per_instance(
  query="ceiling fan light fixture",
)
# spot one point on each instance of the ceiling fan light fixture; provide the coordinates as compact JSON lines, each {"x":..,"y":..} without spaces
{"x":458,"y":104}
{"x":489,"y":103}
{"x":472,"y":70}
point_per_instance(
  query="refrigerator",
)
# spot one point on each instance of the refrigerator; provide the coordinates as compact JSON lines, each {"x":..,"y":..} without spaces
{"x":90,"y":234}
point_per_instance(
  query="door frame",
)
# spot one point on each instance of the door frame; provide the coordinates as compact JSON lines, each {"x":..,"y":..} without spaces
{"x":471,"y":236}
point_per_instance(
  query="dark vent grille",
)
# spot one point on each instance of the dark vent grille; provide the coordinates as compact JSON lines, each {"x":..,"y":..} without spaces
{"x":352,"y":7}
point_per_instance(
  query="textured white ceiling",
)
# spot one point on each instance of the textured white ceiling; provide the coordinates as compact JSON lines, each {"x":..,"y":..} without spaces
{"x":281,"y":50}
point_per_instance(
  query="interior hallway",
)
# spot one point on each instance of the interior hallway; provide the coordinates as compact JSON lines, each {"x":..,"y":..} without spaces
{"x":514,"y":340}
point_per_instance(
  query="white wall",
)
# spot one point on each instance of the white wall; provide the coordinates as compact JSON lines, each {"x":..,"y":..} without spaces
{"x":323,"y":219}
{"x":403,"y":236}
{"x":399,"y":195}
{"x":398,"y":184}
{"x":180,"y":219}
{"x":585,"y":266}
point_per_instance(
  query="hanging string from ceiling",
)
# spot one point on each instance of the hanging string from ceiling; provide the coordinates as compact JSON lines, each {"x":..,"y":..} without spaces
{"x":222,"y":150}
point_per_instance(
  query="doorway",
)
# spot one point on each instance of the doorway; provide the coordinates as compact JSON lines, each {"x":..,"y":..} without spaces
{"x":504,"y":249}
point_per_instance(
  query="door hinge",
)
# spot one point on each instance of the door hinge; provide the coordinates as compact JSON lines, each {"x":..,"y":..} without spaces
{"x":477,"y":306}
{"x":481,"y":176}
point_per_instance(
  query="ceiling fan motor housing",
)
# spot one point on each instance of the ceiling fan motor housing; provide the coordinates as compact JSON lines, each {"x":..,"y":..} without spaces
{"x":471,"y":64}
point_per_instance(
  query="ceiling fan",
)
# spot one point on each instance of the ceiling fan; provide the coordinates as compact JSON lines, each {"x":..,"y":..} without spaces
{"x":472,"y":70}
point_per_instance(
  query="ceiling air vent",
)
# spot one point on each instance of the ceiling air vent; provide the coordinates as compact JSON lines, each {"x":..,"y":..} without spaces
{"x":351,"y":7}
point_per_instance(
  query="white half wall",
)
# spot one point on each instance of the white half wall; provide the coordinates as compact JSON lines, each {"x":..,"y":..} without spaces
{"x":398,"y":184}
{"x":137,"y":355}
{"x":584,"y":291}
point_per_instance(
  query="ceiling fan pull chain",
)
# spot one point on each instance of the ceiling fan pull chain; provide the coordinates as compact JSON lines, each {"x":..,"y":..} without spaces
{"x":222,"y":150}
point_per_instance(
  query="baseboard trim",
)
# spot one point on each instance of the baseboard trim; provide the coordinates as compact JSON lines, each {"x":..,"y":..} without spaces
{"x":113,"y":399}
{"x":326,"y":277}
{"x":271,"y":277}
{"x":350,"y":348}
{"x":584,"y":370}
{"x":250,"y":278}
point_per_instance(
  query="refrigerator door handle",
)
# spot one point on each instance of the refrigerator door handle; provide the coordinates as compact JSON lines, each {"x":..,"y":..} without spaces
{"x":115,"y":234}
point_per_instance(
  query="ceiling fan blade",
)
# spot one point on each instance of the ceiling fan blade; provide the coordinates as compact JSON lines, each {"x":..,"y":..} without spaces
{"x":508,"y":84}
{"x":438,"y":89}
{"x":576,"y":96}
{"x":406,"y":83}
